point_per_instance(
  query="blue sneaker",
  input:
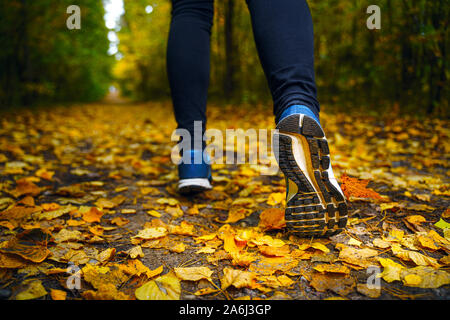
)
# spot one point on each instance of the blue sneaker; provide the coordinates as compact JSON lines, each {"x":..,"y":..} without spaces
{"x":315,"y":204}
{"x":194,"y":178}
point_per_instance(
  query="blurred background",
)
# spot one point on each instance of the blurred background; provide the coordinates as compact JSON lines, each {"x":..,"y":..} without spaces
{"x":121,"y":48}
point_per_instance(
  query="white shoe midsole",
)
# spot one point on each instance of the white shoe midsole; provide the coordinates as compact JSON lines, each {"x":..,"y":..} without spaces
{"x":194,"y":182}
{"x":300,"y":158}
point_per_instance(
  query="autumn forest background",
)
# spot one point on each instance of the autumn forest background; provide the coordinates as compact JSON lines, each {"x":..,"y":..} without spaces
{"x":402,"y":66}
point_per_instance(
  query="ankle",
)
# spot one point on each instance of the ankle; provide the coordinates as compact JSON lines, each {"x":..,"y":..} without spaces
{"x":299,"y":109}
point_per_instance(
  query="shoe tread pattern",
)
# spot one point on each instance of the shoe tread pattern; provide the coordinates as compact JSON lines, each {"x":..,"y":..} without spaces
{"x":305,"y":214}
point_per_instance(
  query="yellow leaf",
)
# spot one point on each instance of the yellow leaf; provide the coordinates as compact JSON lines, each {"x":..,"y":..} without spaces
{"x":391,"y":271}
{"x":412,"y":280}
{"x":151,"y":233}
{"x":34,"y":290}
{"x":430,"y":277}
{"x":270,"y":265}
{"x":268,"y":240}
{"x":320,"y":246}
{"x":415,"y":219}
{"x":243,"y":259}
{"x":272,"y":218}
{"x":7,"y":224}
{"x":389,"y":205}
{"x":194,"y":273}
{"x":379,"y":243}
{"x":207,"y":250}
{"x":128,"y":211}
{"x":274,"y":251}
{"x":204,"y":291}
{"x":235,"y":214}
{"x":427,"y":242}
{"x":354,"y":242}
{"x":332,"y":268}
{"x":418,"y":258}
{"x":58,"y":294}
{"x":154,"y":213}
{"x":44,"y":174}
{"x":53,"y":214}
{"x":106,"y":291}
{"x":446,"y":214}
{"x":442,"y":224}
{"x":49,"y":206}
{"x":135,"y":252}
{"x":68,"y":235}
{"x":184,"y":229}
{"x":93,"y":215}
{"x":369,"y":292}
{"x":356,"y":257}
{"x":166,"y":287}
{"x":106,"y":255}
{"x":176,"y":212}
{"x":285,"y":281}
{"x":119,"y":221}
{"x":276,"y":198}
{"x":10,"y":261}
{"x":237,"y":278}
{"x":170,"y":202}
{"x":178,"y":247}
{"x":397,"y":234}
{"x":206,"y":237}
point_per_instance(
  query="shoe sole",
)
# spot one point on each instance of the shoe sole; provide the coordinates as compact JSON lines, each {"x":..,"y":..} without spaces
{"x":193,"y":186}
{"x":315,"y":204}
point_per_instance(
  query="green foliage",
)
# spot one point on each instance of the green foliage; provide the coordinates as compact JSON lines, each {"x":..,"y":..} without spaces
{"x":43,"y":61}
{"x":404,"y":66}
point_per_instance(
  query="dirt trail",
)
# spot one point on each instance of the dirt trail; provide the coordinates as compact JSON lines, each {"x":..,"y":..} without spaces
{"x":94,"y":176}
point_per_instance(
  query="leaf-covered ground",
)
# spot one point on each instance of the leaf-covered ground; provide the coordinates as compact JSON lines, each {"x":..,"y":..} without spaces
{"x":92,"y":187}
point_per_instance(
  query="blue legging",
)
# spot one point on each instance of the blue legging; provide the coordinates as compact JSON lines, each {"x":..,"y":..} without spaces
{"x":283,"y":32}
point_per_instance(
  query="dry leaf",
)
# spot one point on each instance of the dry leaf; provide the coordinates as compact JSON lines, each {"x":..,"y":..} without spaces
{"x":166,"y":287}
{"x":194,"y":273}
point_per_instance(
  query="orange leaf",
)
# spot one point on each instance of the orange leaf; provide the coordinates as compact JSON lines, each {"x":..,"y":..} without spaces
{"x":272,"y":218}
{"x":58,"y":294}
{"x":30,"y":245}
{"x":353,"y":187}
{"x":93,"y":215}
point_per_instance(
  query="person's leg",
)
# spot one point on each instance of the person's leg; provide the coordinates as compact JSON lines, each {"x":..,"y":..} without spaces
{"x":188,"y":60}
{"x":283,"y":32}
{"x":188,"y":64}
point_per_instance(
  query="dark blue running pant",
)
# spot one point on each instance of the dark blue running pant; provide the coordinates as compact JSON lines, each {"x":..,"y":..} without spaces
{"x":283,"y":32}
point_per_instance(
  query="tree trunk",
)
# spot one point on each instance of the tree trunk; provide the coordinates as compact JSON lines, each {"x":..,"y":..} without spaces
{"x":229,"y":84}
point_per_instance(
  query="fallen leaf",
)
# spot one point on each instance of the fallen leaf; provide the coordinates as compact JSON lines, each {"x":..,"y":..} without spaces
{"x":151,"y":233}
{"x":237,"y":278}
{"x":58,"y":294}
{"x":194,"y":273}
{"x":353,"y":187}
{"x":33,"y":290}
{"x":332,"y":268}
{"x":92,"y":215}
{"x":272,"y":218}
{"x":166,"y":287}
{"x":30,"y":245}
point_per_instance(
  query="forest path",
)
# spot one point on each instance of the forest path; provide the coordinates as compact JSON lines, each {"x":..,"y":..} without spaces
{"x":78,"y":184}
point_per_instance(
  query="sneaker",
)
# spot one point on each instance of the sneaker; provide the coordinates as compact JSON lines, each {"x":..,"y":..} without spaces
{"x":315,"y":204}
{"x":194,"y":178}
